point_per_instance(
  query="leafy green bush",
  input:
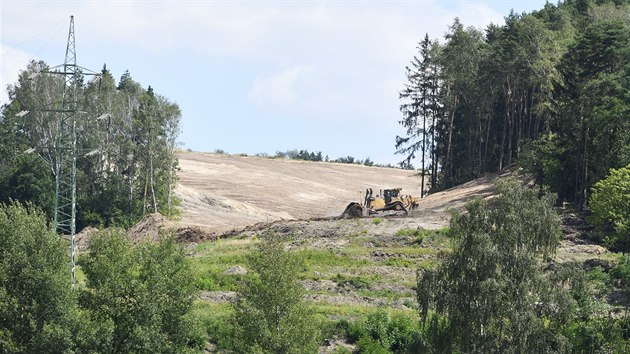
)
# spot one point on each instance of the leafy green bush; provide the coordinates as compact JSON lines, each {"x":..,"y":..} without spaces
{"x":367,"y":345}
{"x":380,"y":332}
{"x":610,"y":203}
{"x":144,"y":293}
{"x":270,"y":313}
{"x":377,"y":221}
{"x":35,"y":299}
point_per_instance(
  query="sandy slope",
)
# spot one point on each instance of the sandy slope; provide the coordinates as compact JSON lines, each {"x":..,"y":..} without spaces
{"x":223,"y":192}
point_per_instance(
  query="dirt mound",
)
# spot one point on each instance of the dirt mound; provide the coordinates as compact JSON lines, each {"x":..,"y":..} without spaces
{"x":82,"y":239}
{"x":195,"y":234}
{"x":147,"y":229}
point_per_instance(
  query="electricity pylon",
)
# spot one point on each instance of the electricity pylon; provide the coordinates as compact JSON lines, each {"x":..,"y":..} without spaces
{"x":65,"y":163}
{"x":66,"y":149}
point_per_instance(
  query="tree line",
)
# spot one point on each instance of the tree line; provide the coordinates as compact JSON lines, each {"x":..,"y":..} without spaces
{"x":126,"y":139}
{"x":318,"y":156}
{"x":548,"y":89}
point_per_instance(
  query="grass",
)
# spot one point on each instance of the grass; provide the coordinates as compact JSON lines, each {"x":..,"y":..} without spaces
{"x":426,"y":237}
{"x":368,"y":266}
{"x":314,"y":258}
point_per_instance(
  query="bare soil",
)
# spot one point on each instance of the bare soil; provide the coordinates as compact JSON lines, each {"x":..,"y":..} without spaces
{"x":222,"y":193}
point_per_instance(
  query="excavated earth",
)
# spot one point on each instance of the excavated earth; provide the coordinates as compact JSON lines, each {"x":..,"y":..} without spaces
{"x":228,"y":193}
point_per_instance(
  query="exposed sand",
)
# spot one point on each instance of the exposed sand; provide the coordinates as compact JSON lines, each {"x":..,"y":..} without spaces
{"x":225,"y":192}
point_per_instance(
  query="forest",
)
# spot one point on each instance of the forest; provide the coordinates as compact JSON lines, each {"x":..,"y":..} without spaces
{"x":126,"y":140}
{"x":549,"y":91}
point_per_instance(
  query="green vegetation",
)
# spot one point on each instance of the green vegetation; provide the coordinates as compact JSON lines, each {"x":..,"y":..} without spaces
{"x":610,"y":203}
{"x":317,"y":156}
{"x":270,"y":314}
{"x":490,"y":294}
{"x":548,"y":89}
{"x":135,"y":299}
{"x":141,"y":295}
{"x":35,"y":299}
{"x":429,"y":237}
{"x":485,"y":288}
{"x":382,"y":332}
{"x":131,"y":132}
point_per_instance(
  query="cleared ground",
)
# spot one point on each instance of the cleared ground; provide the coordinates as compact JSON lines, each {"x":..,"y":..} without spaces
{"x":224,"y":192}
{"x":221,"y":193}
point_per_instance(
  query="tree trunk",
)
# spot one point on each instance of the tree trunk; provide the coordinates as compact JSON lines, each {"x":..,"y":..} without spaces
{"x":424,"y":140}
{"x":155,"y":210}
{"x":502,"y":149}
{"x":578,"y":164}
{"x":448,"y":164}
{"x":144,"y":199}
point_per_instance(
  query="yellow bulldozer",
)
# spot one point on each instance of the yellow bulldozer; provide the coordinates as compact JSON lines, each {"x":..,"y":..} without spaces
{"x":387,"y":202}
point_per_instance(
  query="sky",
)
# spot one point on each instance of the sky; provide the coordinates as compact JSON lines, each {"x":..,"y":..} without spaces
{"x":253,"y":76}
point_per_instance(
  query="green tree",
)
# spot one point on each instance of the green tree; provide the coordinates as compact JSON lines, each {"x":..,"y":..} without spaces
{"x":489,"y":294}
{"x":271,"y":316}
{"x":593,"y":103}
{"x":419,"y":110}
{"x":610,"y":204}
{"x":128,"y":138}
{"x":28,"y":180}
{"x":35,"y":300}
{"x":144,"y":293}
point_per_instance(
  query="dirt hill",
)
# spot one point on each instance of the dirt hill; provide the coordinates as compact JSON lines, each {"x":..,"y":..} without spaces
{"x":224,"y":192}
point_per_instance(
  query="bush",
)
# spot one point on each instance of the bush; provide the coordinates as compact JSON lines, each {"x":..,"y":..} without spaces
{"x":145,"y":294}
{"x":610,"y":203}
{"x":381,"y":333}
{"x":270,"y":313}
{"x":35,"y":299}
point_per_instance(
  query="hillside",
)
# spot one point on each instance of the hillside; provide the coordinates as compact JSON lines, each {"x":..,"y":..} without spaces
{"x":352,"y":267}
{"x":221,"y":193}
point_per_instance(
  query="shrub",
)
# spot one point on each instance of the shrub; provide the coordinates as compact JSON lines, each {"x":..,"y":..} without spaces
{"x":381,"y":333}
{"x":35,"y":299}
{"x":270,"y":313}
{"x":145,"y":294}
{"x":610,"y":203}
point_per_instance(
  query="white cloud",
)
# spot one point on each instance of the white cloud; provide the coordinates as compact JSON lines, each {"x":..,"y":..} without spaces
{"x":251,"y":54}
{"x":274,"y":91}
{"x":13,"y":61}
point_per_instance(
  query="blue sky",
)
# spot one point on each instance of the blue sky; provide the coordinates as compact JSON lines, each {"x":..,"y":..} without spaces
{"x":253,"y":76}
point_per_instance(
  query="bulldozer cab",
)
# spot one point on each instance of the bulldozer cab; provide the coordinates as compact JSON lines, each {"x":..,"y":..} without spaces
{"x":388,"y":194}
